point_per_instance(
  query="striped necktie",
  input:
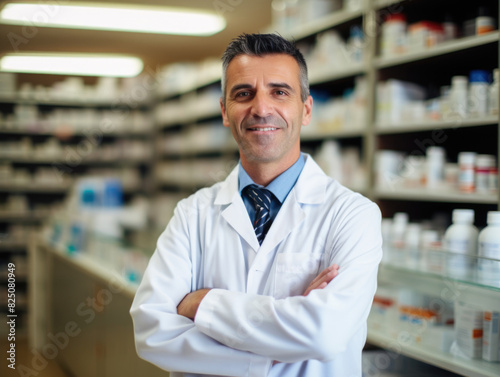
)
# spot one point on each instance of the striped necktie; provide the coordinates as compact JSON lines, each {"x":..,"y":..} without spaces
{"x":261,"y":199}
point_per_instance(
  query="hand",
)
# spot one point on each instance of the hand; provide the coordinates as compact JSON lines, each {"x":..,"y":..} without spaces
{"x":190,"y":303}
{"x":322,"y":280}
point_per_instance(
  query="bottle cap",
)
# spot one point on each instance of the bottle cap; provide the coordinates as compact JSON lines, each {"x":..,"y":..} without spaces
{"x":463,"y":216}
{"x":493,"y":217}
{"x":400,"y":218}
{"x":459,"y":80}
{"x":479,"y":75}
{"x":467,"y":158}
{"x":435,"y":151}
{"x":395,"y":17}
{"x":485,"y":161}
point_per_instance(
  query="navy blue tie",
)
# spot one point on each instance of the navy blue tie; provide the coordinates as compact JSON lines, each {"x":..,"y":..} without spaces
{"x":261,"y":199}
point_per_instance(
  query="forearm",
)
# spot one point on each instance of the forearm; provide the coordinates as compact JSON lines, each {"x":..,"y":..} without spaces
{"x":293,"y":329}
{"x":175,"y":344}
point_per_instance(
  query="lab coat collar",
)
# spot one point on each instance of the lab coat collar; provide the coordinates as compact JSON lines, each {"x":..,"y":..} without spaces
{"x":309,"y":189}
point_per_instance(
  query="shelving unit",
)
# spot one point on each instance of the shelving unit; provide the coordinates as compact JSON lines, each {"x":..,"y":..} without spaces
{"x":450,"y":289}
{"x":432,"y":68}
{"x":43,"y":192}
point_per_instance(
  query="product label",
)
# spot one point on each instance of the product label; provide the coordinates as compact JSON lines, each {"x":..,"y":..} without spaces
{"x":490,"y":250}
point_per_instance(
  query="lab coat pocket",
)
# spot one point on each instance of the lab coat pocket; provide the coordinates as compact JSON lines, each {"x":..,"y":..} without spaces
{"x":294,"y":272}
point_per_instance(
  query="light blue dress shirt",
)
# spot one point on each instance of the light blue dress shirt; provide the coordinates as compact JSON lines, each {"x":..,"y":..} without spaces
{"x":280,"y":187}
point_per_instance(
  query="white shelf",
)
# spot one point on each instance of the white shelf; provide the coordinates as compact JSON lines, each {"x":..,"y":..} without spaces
{"x":92,"y":267}
{"x":91,"y":102}
{"x":323,"y":23}
{"x":434,"y":195}
{"x":432,"y":125}
{"x":445,"y":288}
{"x":35,"y":187}
{"x":12,"y":245}
{"x":320,"y":76}
{"x":340,"y":134}
{"x":470,"y":368}
{"x":23,"y":215}
{"x":118,"y":161}
{"x":71,"y":133}
{"x":385,"y":3}
{"x":193,"y":117}
{"x":440,"y":49}
{"x":200,"y":151}
{"x":205,"y":81}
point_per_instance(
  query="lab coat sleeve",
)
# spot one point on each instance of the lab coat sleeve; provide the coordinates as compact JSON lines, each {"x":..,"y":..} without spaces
{"x":168,"y":340}
{"x":300,"y":328}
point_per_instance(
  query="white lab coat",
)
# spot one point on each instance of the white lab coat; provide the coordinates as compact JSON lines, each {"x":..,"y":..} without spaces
{"x":255,"y":312}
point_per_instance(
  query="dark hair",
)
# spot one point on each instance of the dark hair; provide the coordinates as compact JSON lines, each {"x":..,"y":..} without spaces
{"x":260,"y":45}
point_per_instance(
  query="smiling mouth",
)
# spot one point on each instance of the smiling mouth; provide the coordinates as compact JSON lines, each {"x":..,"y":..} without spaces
{"x":262,"y":129}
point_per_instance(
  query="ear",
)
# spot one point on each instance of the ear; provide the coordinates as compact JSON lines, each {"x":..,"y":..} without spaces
{"x":225,"y":121}
{"x":306,"y":115}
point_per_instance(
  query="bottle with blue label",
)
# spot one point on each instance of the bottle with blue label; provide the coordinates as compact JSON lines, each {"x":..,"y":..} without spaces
{"x":479,"y":87}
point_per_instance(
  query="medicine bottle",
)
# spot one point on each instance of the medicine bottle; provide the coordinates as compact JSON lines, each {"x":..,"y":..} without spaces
{"x":432,"y":256}
{"x":478,"y":93}
{"x":435,"y":166}
{"x":393,"y":38}
{"x":460,"y":240}
{"x":493,"y":95}
{"x":399,"y":223}
{"x":489,"y":247}
{"x":485,"y":163}
{"x":459,"y":96}
{"x":412,"y":245}
{"x":466,"y":165}
{"x":484,"y":22}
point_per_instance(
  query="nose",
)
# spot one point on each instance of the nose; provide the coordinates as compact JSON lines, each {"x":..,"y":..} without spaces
{"x":261,"y":105}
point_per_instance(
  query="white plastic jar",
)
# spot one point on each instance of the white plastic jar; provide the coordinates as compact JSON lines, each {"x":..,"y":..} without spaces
{"x":394,"y":38}
{"x":460,"y":240}
{"x":489,"y":247}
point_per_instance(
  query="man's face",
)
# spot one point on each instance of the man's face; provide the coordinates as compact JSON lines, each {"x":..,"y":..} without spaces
{"x":264,"y":108}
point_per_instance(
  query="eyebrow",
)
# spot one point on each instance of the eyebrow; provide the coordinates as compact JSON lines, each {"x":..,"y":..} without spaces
{"x":283,"y":85}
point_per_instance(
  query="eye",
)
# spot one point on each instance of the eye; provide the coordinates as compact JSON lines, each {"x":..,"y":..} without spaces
{"x":242,"y":94}
{"x":280,"y":92}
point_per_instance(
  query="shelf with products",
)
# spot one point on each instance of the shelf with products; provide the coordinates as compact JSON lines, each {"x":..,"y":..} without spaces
{"x":327,"y":21}
{"x":434,"y":195}
{"x":428,"y":125}
{"x":437,"y":292}
{"x":44,"y":160}
{"x":24,"y":215}
{"x":12,"y":245}
{"x":447,"y":47}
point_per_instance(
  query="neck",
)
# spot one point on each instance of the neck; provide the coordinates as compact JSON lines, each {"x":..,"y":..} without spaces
{"x":263,"y":173}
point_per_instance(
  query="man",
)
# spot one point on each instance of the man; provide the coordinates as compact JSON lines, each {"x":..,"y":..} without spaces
{"x":246,"y":281}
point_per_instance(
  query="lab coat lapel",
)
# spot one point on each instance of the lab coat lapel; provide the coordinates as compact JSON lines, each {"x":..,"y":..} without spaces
{"x":289,"y":217}
{"x":309,"y":189}
{"x":234,"y":211}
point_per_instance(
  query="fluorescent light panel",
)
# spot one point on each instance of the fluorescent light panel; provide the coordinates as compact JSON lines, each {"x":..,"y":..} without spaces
{"x":76,"y":64}
{"x":127,"y":18}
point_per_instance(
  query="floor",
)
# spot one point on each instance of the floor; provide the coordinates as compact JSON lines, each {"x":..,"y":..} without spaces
{"x":27,"y":363}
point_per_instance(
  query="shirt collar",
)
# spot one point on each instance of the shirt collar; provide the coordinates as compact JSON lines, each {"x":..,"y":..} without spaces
{"x":281,"y":185}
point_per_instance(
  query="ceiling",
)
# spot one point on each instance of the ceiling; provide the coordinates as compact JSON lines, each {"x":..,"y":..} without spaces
{"x":154,"y":49}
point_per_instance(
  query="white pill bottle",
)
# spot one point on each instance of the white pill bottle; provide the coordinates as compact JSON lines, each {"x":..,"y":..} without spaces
{"x":489,"y":251}
{"x":460,"y":240}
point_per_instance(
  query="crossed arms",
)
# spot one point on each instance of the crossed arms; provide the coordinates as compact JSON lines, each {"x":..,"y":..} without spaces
{"x":190,"y":303}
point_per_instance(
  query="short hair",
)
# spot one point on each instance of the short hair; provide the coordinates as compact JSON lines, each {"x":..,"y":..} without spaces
{"x":261,"y":45}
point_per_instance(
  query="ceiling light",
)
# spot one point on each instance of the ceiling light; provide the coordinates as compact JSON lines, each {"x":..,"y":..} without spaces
{"x":142,"y":19}
{"x":72,"y":64}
